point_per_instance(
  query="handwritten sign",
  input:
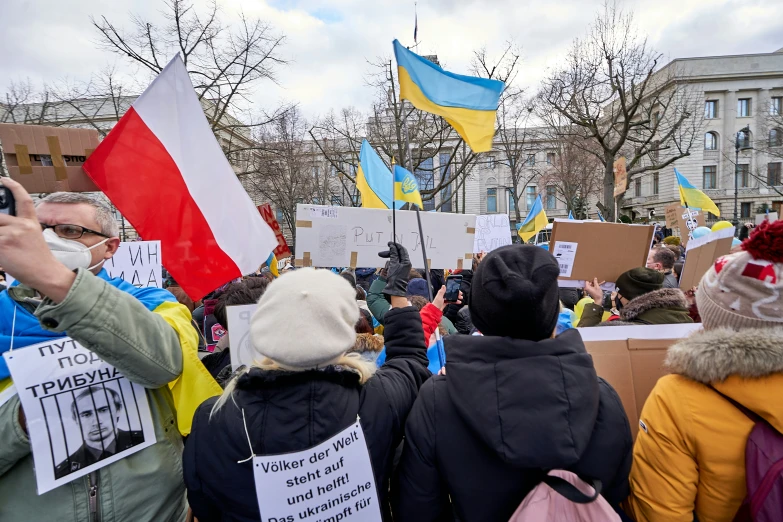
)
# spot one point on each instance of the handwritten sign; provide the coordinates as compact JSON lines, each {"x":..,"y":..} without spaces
{"x":239,"y":326}
{"x":331,"y":481}
{"x":492,"y":231}
{"x":281,"y":250}
{"x":138,"y":263}
{"x":354,"y":236}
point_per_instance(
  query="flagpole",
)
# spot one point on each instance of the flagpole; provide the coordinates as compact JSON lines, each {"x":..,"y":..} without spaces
{"x":394,"y":214}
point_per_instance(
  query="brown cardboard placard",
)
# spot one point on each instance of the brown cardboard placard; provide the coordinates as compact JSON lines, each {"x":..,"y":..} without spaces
{"x":620,"y":177}
{"x":597,"y":252}
{"x":303,"y":224}
{"x":56,"y":153}
{"x":676,"y":219}
{"x":702,"y":254}
{"x":23,"y":159}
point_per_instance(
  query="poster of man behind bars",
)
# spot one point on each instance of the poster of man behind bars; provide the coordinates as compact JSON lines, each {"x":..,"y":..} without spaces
{"x":82,"y":414}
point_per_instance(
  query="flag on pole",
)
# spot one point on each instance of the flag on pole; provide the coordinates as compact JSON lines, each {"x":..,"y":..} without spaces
{"x":164,"y":170}
{"x":694,"y":198}
{"x":271,"y":262}
{"x":535,"y":221}
{"x":570,"y":215}
{"x":468,"y":103}
{"x":601,"y":217}
{"x":406,"y":189}
{"x":374,"y":179}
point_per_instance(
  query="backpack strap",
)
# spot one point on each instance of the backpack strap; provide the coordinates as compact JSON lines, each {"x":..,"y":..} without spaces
{"x":571,"y":492}
{"x":755,"y":417}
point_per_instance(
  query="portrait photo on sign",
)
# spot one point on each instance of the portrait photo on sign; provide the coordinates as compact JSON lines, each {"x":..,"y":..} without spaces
{"x":90,"y":424}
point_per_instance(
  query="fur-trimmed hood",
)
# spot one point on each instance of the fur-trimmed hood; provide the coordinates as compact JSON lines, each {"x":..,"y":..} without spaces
{"x":714,"y":355}
{"x":665,"y":298}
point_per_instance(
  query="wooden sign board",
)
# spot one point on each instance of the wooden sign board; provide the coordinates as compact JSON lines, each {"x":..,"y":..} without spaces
{"x":702,"y":254}
{"x":353,"y":236}
{"x":602,"y":250}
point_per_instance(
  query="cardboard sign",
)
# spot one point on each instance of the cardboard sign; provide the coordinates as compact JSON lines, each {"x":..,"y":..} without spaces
{"x":702,"y":253}
{"x":631,"y":358}
{"x":352,"y":237}
{"x":331,"y":481}
{"x":620,"y":177}
{"x":138,"y":263}
{"x":602,"y":250}
{"x":281,"y":250}
{"x":82,"y":413}
{"x":772,"y":216}
{"x":677,"y":219}
{"x":492,"y":231}
{"x":239,"y":327}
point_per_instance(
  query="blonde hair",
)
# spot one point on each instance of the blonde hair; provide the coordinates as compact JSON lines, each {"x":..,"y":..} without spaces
{"x":350,"y":361}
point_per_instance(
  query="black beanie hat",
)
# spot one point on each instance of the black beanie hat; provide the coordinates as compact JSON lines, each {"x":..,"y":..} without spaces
{"x":639,"y":281}
{"x":514,"y":293}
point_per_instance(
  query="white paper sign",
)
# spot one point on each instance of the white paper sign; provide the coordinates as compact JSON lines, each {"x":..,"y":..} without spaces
{"x":565,"y":253}
{"x":332,"y":481}
{"x":239,"y":328}
{"x":356,"y":235}
{"x":492,"y":231}
{"x":82,"y":413}
{"x":772,"y":216}
{"x":138,"y":263}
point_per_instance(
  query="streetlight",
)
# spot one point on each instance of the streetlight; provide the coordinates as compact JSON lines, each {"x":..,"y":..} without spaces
{"x":746,"y":133}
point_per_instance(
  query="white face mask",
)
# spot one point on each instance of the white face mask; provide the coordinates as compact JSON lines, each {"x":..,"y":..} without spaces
{"x":69,"y":252}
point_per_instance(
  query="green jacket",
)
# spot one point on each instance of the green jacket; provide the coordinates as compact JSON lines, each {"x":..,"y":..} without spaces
{"x":144,"y":487}
{"x":665,"y":306}
{"x":378,"y":305}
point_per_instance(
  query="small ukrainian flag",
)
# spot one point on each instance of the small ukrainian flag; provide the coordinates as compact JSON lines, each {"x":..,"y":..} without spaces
{"x":535,"y":221}
{"x":374,"y":179}
{"x":406,"y":189}
{"x":468,"y":103}
{"x":692,"y":197}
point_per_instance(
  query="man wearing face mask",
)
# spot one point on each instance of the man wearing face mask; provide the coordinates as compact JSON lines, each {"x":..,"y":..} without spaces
{"x":56,"y":252}
{"x":639,"y":299}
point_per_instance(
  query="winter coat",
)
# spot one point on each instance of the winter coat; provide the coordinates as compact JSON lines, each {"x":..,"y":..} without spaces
{"x":670,"y":280}
{"x":689,"y":457}
{"x":665,"y":306}
{"x":379,"y":305}
{"x":293,"y":411}
{"x":505,"y":410}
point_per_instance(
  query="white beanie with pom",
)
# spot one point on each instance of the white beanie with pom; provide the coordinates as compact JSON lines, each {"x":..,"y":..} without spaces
{"x":305,"y":319}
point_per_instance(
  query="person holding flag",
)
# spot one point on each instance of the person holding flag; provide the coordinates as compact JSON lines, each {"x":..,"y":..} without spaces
{"x":536,"y":220}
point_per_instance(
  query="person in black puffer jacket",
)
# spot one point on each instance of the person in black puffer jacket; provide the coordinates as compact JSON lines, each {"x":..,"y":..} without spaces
{"x":304,"y":389}
{"x":513,"y":403}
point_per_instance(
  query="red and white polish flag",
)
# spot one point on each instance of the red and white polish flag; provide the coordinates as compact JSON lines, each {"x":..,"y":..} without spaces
{"x":164,"y":170}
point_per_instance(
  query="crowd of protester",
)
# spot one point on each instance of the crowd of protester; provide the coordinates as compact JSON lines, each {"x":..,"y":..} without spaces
{"x":467,"y":441}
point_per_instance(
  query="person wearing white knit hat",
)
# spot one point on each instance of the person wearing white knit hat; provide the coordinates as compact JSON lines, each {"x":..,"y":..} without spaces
{"x":303,"y":388}
{"x":690,"y":454}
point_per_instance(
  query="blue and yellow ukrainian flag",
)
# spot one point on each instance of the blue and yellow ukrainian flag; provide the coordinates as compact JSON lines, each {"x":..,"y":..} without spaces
{"x":406,"y":189}
{"x":374,"y":179}
{"x":468,"y":103}
{"x":694,"y":198}
{"x":535,"y":221}
{"x":271,"y":262}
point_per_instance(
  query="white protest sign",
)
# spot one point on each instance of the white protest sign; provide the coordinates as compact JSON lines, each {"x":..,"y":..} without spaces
{"x":82,"y":413}
{"x":137,"y":263}
{"x":492,"y":231}
{"x":332,"y":481}
{"x":239,"y":327}
{"x":353,"y":236}
{"x":772,"y":216}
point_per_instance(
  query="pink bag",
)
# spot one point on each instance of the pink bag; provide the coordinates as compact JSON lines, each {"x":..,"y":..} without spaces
{"x":563,"y":497}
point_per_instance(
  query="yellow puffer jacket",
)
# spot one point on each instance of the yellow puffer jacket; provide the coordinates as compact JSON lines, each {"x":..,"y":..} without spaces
{"x":689,"y":456}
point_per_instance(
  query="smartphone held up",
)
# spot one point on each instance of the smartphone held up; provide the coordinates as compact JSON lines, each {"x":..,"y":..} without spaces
{"x":7,"y":204}
{"x":453,"y":284}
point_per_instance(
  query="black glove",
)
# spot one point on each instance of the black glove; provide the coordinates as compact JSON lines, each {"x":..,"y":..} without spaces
{"x":398,"y":271}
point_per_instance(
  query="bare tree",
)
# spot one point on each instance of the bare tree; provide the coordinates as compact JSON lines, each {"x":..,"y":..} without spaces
{"x":612,"y":94}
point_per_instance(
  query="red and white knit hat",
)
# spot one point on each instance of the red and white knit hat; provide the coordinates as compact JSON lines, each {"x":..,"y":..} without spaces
{"x":745,"y":290}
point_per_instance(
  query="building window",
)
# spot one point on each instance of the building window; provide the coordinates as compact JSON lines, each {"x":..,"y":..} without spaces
{"x":550,"y":158}
{"x":512,"y":201}
{"x":445,"y":174}
{"x":316,"y":170}
{"x":656,"y":186}
{"x":425,"y":175}
{"x":530,"y":197}
{"x":656,"y":150}
{"x":711,"y":177}
{"x":551,"y":199}
{"x":531,"y":160}
{"x":775,"y":138}
{"x":279,"y":215}
{"x":656,"y":118}
{"x":773,"y":174}
{"x":743,"y":107}
{"x":776,"y":106}
{"x":743,"y":175}
{"x":711,"y":109}
{"x":745,"y":210}
{"x":637,"y":188}
{"x":490,"y":162}
{"x":337,"y":201}
{"x":492,"y":200}
{"x":711,"y":141}
{"x":743,"y":139}
{"x":355,"y":200}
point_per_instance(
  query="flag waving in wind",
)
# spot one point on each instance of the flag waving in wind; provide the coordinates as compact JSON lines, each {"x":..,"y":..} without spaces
{"x":164,"y":170}
{"x":535,"y":221}
{"x":406,"y":188}
{"x":374,"y":179}
{"x":694,"y":198}
{"x":468,"y":103}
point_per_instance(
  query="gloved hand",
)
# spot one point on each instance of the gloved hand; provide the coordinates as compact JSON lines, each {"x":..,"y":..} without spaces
{"x":398,"y":271}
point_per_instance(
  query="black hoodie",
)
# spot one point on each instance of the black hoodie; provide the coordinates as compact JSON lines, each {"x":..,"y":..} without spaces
{"x":506,"y":410}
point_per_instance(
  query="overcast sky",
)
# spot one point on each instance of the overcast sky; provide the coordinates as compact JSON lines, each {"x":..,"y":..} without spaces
{"x":329,"y":42}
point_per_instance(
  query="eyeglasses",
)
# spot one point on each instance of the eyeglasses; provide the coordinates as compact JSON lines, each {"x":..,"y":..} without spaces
{"x":71,"y":231}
